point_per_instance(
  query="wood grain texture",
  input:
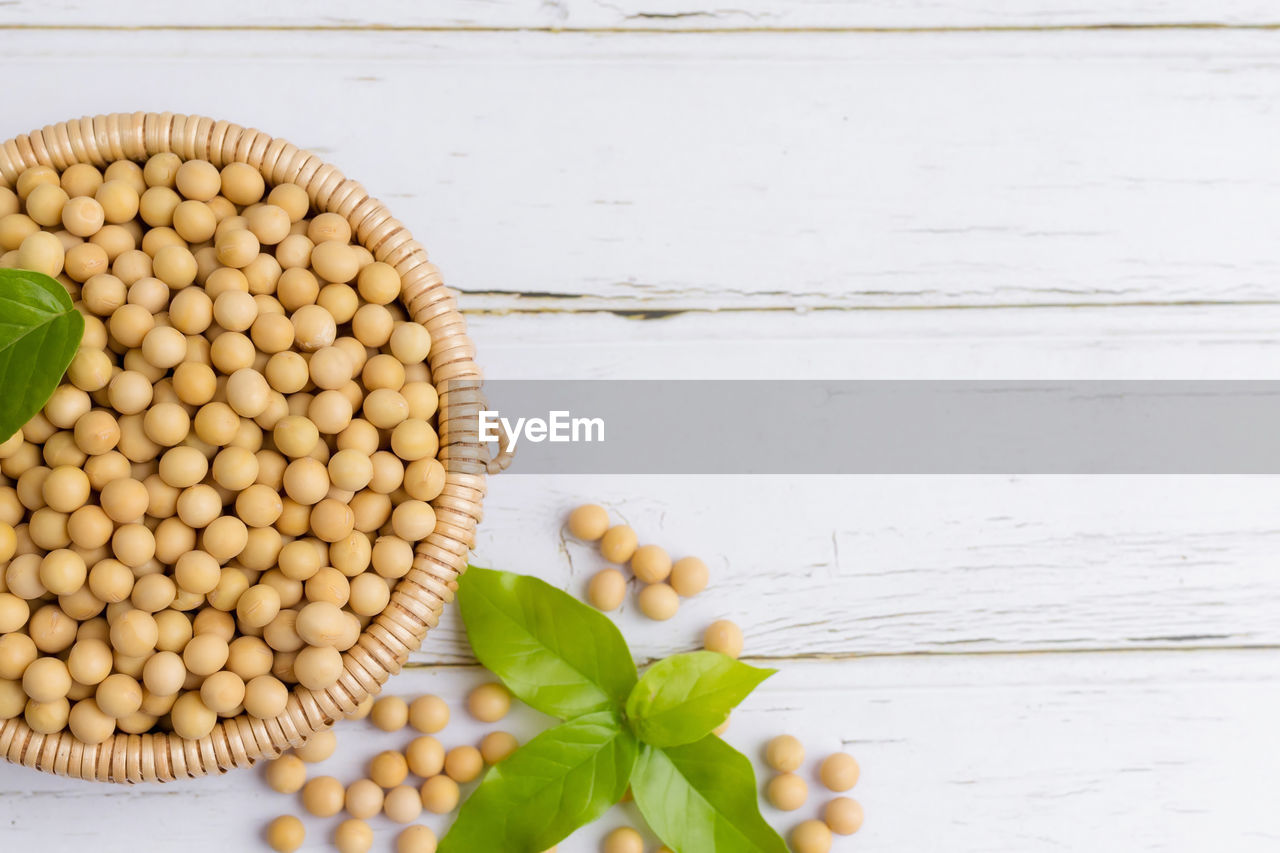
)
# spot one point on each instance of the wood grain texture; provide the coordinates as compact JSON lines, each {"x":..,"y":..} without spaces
{"x":1166,"y":751}
{"x":763,"y":171}
{"x":641,"y":15}
{"x":1096,"y":342}
{"x":836,"y":566}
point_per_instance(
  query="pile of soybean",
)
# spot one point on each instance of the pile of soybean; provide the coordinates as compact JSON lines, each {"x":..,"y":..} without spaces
{"x":237,"y":466}
{"x":389,"y":786}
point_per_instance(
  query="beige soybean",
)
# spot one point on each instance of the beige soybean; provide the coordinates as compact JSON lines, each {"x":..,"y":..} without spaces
{"x":787,"y":791}
{"x":66,"y":488}
{"x":269,"y":223}
{"x":424,"y":756}
{"x":134,"y":633}
{"x":119,"y":695}
{"x":413,"y":440}
{"x":205,"y":654}
{"x":197,"y":179}
{"x":90,"y":661}
{"x":222,"y":692}
{"x":463,"y":764}
{"x":410,"y":343}
{"x":650,"y":564}
{"x":624,"y":839}
{"x":286,"y":774}
{"x":588,"y":522}
{"x":723,"y":636}
{"x":843,"y":815}
{"x":659,"y":602}
{"x":265,"y":696}
{"x":370,"y":594}
{"x":413,"y":520}
{"x":688,"y":576}
{"x":811,"y":836}
{"x":88,"y":723}
{"x":52,"y":629}
{"x":440,"y":794}
{"x":353,"y":836}
{"x":391,"y":557}
{"x":249,"y":656}
{"x":17,"y":652}
{"x":164,"y":673}
{"x":385,"y":408}
{"x":784,"y":753}
{"x":618,"y":543}
{"x":45,"y":204}
{"x":241,"y":183}
{"x":286,"y":834}
{"x":258,"y":605}
{"x":428,"y":714}
{"x":489,"y":702}
{"x":416,"y":839}
{"x":80,"y":179}
{"x":382,"y":371}
{"x":330,"y":411}
{"x":90,"y":369}
{"x":47,"y":717}
{"x":318,"y":667}
{"x":403,"y":804}
{"x":390,"y":713}
{"x":46,"y":679}
{"x":496,"y":746}
{"x":364,"y":799}
{"x":424,"y":479}
{"x":14,"y":612}
{"x":839,"y":772}
{"x":323,"y":796}
{"x":194,"y":221}
{"x":348,"y":469}
{"x":388,"y":769}
{"x":62,"y":571}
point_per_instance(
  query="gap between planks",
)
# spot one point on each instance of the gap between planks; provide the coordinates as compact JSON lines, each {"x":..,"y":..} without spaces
{"x":506,"y":302}
{"x":647,"y":30}
{"x":784,"y":659}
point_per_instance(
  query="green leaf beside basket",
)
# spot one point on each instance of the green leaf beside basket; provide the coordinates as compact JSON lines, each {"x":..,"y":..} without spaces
{"x":555,"y":653}
{"x":40,"y":331}
{"x":565,"y":777}
{"x":685,"y":697}
{"x":702,"y":797}
{"x":568,"y":660}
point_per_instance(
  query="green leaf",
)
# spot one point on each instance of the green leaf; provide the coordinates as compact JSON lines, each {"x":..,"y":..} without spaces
{"x":562,"y":779}
{"x":685,"y":697}
{"x":701,"y":798}
{"x":39,"y":332}
{"x":554,"y":652}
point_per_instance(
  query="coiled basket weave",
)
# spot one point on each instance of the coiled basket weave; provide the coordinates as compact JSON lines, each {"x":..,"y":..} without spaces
{"x":420,"y":596}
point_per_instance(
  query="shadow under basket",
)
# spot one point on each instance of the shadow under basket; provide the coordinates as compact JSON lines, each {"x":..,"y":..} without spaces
{"x":419,"y":597}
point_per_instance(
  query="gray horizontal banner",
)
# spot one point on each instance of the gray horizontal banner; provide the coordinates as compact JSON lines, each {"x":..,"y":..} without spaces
{"x":885,"y":427}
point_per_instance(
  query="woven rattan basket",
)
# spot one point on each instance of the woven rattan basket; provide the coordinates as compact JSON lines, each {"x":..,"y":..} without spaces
{"x":420,"y":596}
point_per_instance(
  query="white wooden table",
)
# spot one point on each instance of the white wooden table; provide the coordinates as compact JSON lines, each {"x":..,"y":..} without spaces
{"x":813,"y":188}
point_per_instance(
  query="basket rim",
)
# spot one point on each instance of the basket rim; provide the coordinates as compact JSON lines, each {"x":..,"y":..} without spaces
{"x":419,"y":597}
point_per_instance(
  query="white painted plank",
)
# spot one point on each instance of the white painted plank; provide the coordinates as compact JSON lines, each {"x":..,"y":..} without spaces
{"x":996,"y":754}
{"x":1183,"y":342}
{"x":913,"y":564}
{"x":640,"y":14}
{"x":842,"y":566}
{"x":712,"y":171}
